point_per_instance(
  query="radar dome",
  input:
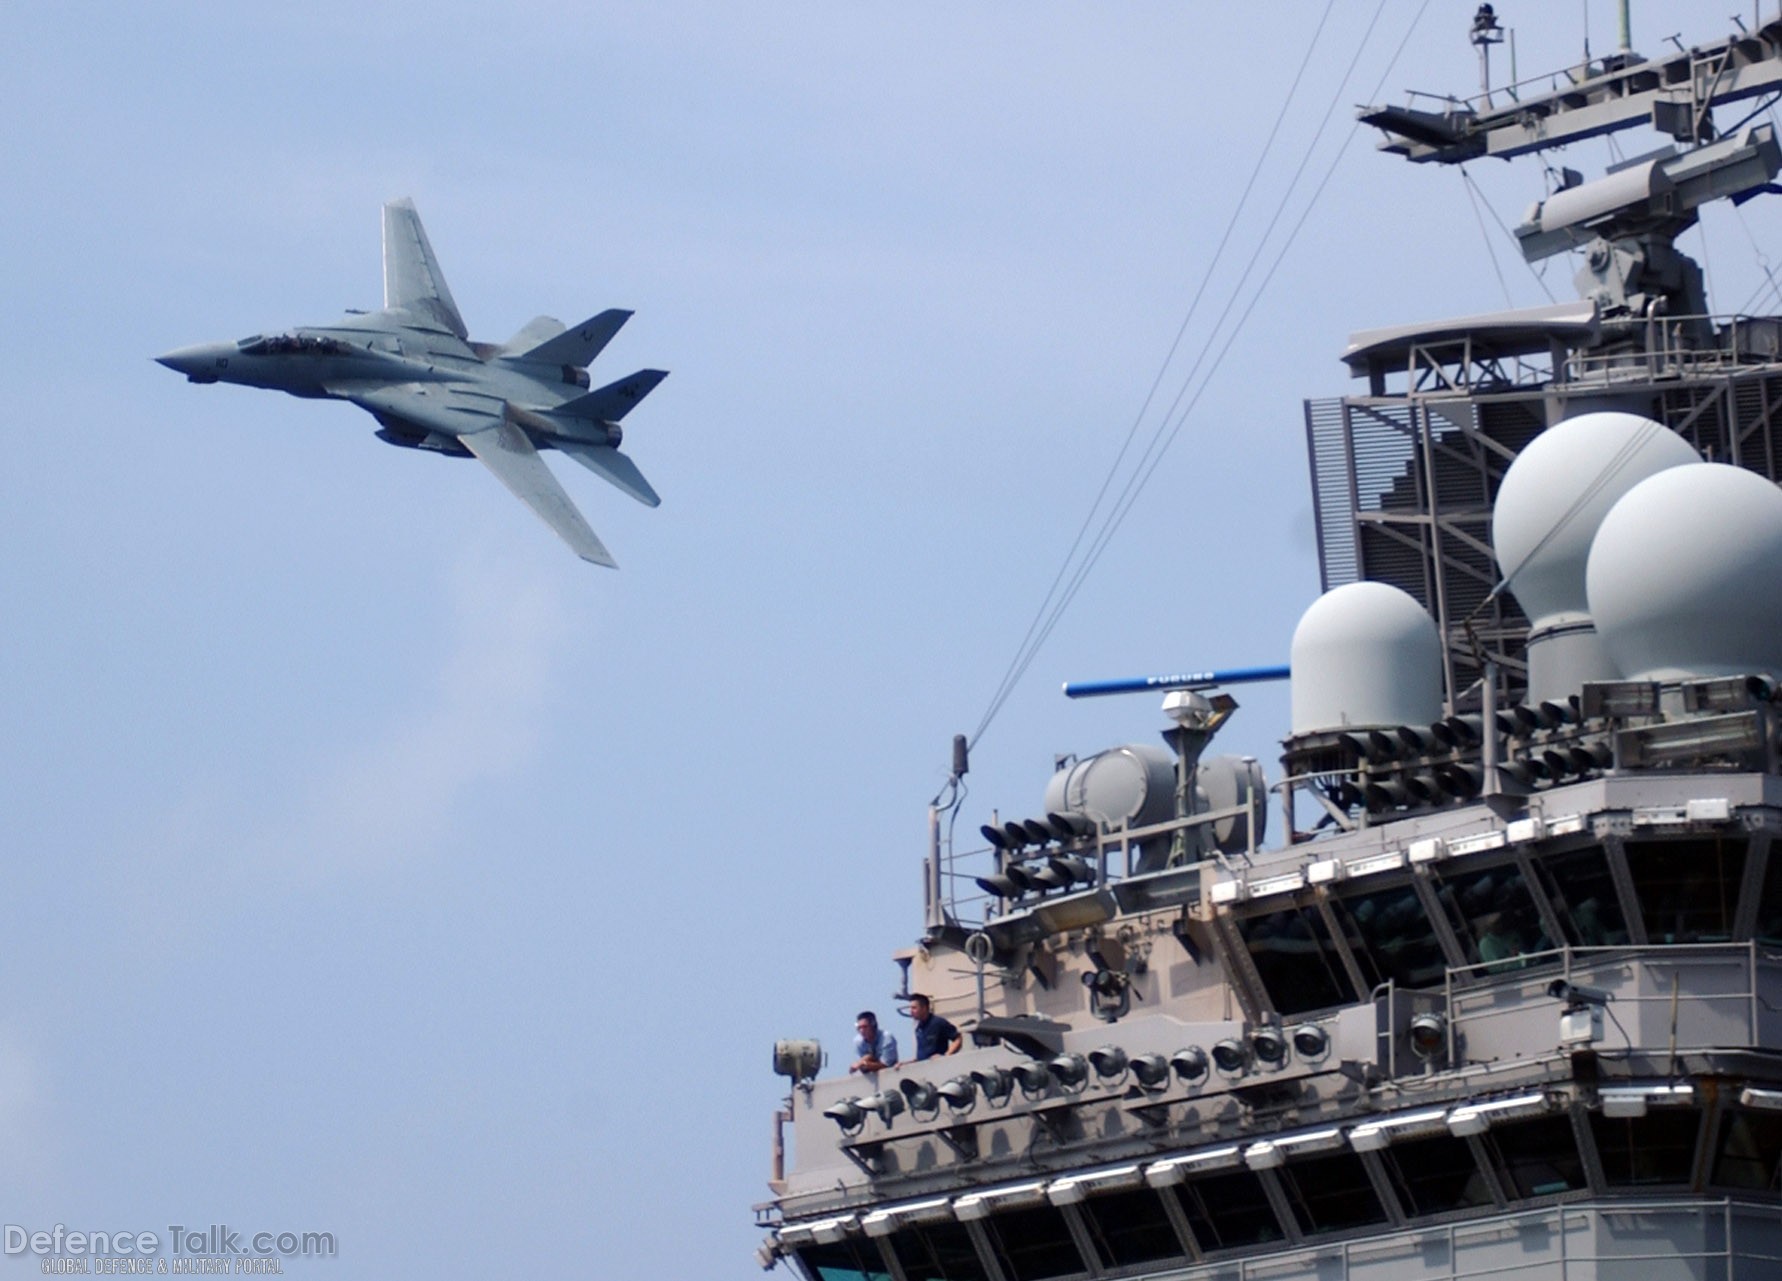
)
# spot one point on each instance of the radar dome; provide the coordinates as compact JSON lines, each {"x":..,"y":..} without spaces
{"x":1365,"y":654}
{"x":1685,"y":576}
{"x":1549,"y":505}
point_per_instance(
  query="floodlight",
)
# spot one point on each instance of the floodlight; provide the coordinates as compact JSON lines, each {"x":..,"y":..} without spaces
{"x":1429,"y":1036}
{"x":996,"y":1083}
{"x":922,"y":1096}
{"x":1152,"y":1070}
{"x":1015,"y":833}
{"x":960,"y":1092}
{"x":1037,"y":832}
{"x":1269,"y":1046}
{"x":1033,"y":1078}
{"x":1109,"y":1061}
{"x":884,"y":1105}
{"x":1189,"y":1064}
{"x":995,"y":836}
{"x":847,"y":1114}
{"x":1311,"y":1042}
{"x":1070,"y":1069}
{"x":1230,"y":1057}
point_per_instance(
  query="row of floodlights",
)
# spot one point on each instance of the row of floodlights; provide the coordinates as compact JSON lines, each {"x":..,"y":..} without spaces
{"x":1370,"y":1136}
{"x":1232,"y":1058}
{"x":1263,"y":1154}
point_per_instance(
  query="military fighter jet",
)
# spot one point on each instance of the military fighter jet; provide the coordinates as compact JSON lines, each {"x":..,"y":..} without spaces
{"x":413,"y":367}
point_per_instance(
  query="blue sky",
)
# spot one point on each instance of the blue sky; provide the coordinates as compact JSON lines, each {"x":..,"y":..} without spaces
{"x":377,"y":867}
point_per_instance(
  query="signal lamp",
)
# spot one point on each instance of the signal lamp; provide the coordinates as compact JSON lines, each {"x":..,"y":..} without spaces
{"x":800,"y":1060}
{"x":998,"y":884}
{"x":1071,"y":868}
{"x":1109,"y":1062}
{"x":1048,"y":877}
{"x":1068,"y":827}
{"x":1429,"y":1036}
{"x":1269,"y":1046}
{"x":1311,"y":1042}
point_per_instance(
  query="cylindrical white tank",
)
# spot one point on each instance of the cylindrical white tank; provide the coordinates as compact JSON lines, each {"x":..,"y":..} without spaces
{"x":1685,"y":576}
{"x":1365,"y":654}
{"x":1133,"y":786}
{"x":1549,"y":505}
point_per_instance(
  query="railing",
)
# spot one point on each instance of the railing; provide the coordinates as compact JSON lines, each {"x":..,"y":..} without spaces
{"x":1567,"y":1258}
{"x":1475,"y":993}
{"x":1112,"y":854}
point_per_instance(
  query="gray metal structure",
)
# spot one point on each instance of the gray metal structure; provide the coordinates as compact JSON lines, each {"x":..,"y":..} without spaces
{"x":413,"y":367}
{"x":1512,"y":1005}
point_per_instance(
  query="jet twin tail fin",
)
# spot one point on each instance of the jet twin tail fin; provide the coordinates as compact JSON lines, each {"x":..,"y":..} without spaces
{"x":612,"y":402}
{"x":561,"y":346}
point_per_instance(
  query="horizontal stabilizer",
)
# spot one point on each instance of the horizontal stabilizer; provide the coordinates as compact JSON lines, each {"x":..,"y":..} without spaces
{"x":507,"y":452}
{"x":533,"y":332}
{"x":610,"y":465}
{"x":576,"y":346}
{"x":612,"y":402}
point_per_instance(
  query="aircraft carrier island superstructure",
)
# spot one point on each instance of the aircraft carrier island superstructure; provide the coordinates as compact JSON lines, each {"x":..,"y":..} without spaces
{"x":1505,"y":996}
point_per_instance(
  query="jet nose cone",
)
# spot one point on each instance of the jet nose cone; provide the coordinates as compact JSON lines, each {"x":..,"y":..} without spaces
{"x":199,"y":363}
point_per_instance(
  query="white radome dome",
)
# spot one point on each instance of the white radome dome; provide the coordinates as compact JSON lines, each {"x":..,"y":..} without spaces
{"x":1557,"y":492}
{"x":1365,"y":654}
{"x":1685,"y":575}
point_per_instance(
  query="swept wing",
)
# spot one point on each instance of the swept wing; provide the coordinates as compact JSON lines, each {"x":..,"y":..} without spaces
{"x":481,"y":424}
{"x":412,"y":279}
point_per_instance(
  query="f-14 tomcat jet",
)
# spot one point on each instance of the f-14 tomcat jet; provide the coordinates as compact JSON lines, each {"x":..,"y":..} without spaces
{"x":413,"y":367}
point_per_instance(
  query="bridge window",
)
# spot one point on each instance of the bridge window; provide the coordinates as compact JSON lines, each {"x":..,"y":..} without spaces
{"x":1297,"y":961}
{"x":1228,"y":1211}
{"x":1390,"y":934}
{"x":1656,"y":1148}
{"x":1436,"y":1174}
{"x":1769,"y":907}
{"x":938,"y":1252}
{"x":1688,"y":889}
{"x":850,"y":1260}
{"x":1585,"y":894}
{"x":1130,"y":1228}
{"x":1494,"y":916}
{"x":1330,"y":1193}
{"x":1538,"y":1157}
{"x":1034,"y":1243}
{"x":1749,"y":1152}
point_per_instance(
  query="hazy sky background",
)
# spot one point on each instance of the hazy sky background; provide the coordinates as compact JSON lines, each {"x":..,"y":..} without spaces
{"x":375,"y":866}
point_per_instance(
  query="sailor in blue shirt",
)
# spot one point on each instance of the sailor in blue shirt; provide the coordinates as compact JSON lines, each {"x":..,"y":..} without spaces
{"x":874,"y":1050}
{"x":934,"y":1035}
